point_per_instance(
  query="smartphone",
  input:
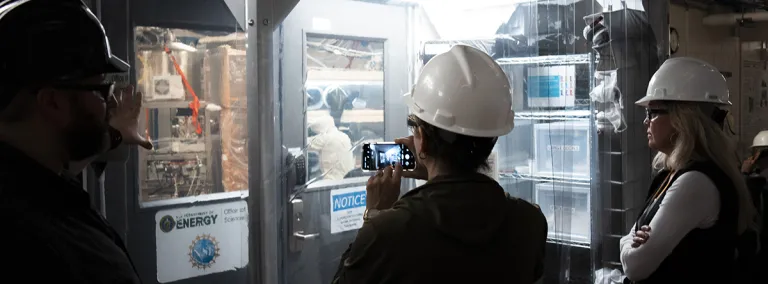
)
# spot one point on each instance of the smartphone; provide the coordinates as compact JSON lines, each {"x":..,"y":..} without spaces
{"x":377,"y":156}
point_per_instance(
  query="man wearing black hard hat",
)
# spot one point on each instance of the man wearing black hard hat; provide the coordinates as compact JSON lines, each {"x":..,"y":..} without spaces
{"x":56,"y":110}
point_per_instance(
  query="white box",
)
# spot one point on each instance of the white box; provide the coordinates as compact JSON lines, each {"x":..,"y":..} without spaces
{"x":167,"y":87}
{"x":567,"y":209}
{"x":562,"y":149}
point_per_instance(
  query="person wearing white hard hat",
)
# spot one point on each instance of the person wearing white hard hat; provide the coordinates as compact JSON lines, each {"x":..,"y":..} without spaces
{"x":755,"y":169}
{"x":759,"y":150}
{"x":698,"y":204}
{"x":459,"y":227}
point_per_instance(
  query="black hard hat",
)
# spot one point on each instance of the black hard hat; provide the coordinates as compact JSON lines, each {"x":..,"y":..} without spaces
{"x":52,"y":40}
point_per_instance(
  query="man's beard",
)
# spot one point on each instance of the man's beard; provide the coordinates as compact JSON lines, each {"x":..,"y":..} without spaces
{"x":85,"y":136}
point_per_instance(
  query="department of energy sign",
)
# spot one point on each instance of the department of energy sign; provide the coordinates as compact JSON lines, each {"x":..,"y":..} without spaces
{"x":201,"y":240}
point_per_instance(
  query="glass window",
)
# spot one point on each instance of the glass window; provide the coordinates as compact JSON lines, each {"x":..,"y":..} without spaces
{"x":546,"y":159}
{"x":344,"y":103}
{"x":194,"y":112}
{"x":575,"y":69}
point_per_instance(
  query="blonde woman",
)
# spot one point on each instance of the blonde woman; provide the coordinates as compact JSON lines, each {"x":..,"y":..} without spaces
{"x":698,"y":204}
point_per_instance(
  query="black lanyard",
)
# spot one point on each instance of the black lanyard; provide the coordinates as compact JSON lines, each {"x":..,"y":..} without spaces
{"x":654,"y":200}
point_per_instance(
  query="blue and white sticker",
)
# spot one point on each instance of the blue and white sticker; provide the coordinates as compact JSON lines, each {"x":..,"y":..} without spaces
{"x":203,"y":251}
{"x":200,"y":240}
{"x":347,"y":209}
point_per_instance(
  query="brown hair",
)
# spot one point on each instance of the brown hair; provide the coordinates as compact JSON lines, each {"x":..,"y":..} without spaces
{"x":455,"y":153}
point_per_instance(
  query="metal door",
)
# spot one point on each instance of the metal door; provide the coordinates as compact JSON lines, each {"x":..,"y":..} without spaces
{"x":340,"y":61}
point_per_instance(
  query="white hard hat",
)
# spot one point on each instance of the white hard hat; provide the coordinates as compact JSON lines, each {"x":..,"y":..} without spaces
{"x":463,"y":91}
{"x":761,"y":139}
{"x":688,"y":80}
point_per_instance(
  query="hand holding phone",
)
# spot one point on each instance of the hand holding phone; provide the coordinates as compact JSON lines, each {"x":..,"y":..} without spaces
{"x":420,"y":172}
{"x":377,"y":156}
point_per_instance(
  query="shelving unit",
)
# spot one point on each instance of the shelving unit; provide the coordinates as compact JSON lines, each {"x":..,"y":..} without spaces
{"x":547,"y":60}
{"x":558,"y":115}
{"x":568,"y":190}
{"x":516,"y":150}
{"x":538,"y":178}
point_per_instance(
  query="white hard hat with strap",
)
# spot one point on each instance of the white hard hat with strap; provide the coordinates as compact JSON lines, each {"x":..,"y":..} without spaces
{"x":463,"y":91}
{"x":687,"y":79}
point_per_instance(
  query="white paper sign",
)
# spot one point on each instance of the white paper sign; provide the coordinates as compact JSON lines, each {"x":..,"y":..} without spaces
{"x":347,"y":208}
{"x":201,"y":240}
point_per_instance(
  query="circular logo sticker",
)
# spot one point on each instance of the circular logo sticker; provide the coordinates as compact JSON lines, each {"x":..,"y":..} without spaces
{"x":167,"y":224}
{"x":203,"y":251}
{"x":162,"y":87}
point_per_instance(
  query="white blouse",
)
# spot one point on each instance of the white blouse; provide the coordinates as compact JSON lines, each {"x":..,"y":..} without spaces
{"x":692,"y":201}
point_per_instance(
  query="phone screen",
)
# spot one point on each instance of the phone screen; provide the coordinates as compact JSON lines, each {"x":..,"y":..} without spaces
{"x":377,"y":156}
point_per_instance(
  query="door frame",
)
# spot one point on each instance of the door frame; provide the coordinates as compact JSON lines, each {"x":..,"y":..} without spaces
{"x":273,"y":129}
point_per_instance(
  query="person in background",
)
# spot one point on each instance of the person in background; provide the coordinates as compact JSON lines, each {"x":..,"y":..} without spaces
{"x":698,"y":204}
{"x":754,"y":164}
{"x":459,"y":227}
{"x":334,"y":147}
{"x":753,"y":253}
{"x":56,"y":111}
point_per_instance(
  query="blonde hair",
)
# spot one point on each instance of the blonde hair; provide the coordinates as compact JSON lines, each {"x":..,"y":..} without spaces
{"x":699,"y":138}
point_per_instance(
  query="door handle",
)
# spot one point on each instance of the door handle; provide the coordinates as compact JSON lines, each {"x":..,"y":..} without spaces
{"x":298,"y":224}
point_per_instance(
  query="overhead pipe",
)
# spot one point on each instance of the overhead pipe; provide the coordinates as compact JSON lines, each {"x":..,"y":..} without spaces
{"x":734,"y":18}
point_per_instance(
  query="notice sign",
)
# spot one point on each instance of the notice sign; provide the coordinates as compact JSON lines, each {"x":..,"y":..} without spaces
{"x":347,"y":208}
{"x":200,"y":240}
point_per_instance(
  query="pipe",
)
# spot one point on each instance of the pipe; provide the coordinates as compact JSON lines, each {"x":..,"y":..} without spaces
{"x":732,"y":19}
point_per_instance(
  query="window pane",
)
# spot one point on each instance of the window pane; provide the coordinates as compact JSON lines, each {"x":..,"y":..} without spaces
{"x":344,"y":103}
{"x":194,"y":112}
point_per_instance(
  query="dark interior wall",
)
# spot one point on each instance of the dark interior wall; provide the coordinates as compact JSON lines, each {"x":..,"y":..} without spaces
{"x":214,"y":15}
{"x":658,"y":17}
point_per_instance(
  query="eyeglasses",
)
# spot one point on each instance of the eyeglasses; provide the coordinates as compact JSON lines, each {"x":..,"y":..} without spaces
{"x":106,"y":90}
{"x":652,"y":114}
{"x":412,"y":121}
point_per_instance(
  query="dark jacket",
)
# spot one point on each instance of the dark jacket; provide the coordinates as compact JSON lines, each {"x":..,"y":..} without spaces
{"x":51,"y":233}
{"x":753,"y":246}
{"x":450,"y":230}
{"x":703,"y":255}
